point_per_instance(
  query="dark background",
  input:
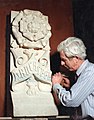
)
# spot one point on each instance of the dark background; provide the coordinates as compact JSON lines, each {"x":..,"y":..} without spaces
{"x":83,"y":14}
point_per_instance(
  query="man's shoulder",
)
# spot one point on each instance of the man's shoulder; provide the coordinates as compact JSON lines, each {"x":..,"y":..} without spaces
{"x":89,"y":66}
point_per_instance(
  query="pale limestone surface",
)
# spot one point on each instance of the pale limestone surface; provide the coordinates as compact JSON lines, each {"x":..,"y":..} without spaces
{"x":30,"y":74}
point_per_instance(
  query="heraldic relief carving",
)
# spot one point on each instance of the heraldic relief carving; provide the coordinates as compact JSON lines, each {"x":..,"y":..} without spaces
{"x":30,"y":74}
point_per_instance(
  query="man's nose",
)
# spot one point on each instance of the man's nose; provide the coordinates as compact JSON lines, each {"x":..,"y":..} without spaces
{"x":62,"y":63}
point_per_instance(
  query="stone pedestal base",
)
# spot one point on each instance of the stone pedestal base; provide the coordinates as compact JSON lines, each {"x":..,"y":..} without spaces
{"x":35,"y":105}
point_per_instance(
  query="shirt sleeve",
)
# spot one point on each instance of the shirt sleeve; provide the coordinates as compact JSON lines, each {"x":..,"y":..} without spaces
{"x":61,"y":93}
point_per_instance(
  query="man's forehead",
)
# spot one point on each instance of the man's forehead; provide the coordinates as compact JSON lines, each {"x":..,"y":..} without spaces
{"x":62,"y":53}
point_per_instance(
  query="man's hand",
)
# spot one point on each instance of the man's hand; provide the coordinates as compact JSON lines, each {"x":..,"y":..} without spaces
{"x":60,"y":79}
{"x":65,"y":82}
{"x":57,"y":78}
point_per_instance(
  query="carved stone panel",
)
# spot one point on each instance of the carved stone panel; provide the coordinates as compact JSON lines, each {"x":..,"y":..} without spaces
{"x":30,"y":74}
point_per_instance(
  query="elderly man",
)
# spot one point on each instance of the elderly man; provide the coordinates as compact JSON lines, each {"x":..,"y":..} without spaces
{"x":73,"y":57}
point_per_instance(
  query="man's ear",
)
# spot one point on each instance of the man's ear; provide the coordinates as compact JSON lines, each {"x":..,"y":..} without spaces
{"x":76,"y":59}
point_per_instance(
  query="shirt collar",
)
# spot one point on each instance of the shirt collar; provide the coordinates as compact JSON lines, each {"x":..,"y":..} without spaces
{"x":82,"y":67}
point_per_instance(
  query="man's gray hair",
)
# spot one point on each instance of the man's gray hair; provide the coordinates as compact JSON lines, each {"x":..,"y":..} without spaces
{"x":73,"y":46}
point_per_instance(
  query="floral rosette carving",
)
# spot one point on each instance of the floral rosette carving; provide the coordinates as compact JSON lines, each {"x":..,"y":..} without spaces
{"x":31,"y":29}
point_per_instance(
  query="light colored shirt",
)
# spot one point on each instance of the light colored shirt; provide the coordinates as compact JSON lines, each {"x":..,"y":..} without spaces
{"x":82,"y":92}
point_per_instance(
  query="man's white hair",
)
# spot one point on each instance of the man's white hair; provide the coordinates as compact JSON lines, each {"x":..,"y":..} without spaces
{"x":73,"y":46}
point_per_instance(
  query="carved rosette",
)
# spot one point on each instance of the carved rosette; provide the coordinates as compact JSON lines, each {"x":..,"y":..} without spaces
{"x":31,"y":29}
